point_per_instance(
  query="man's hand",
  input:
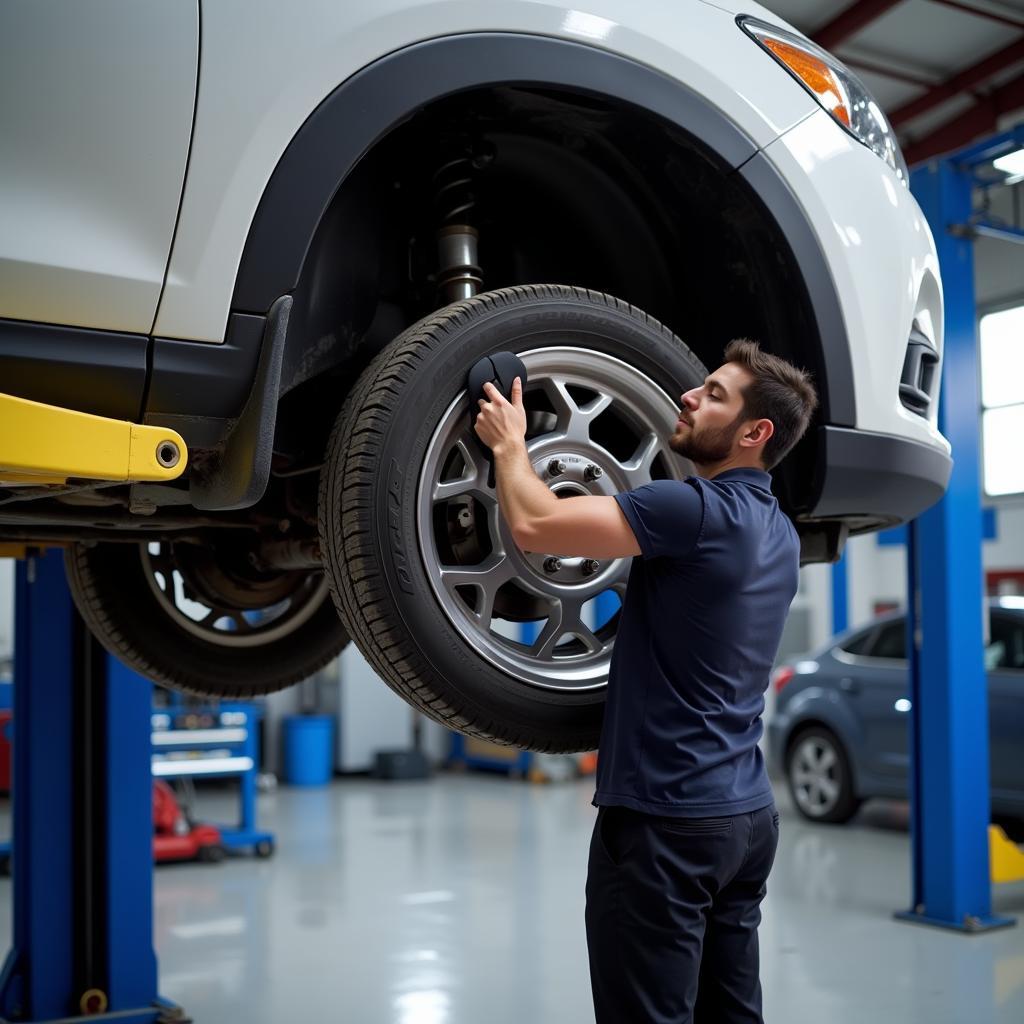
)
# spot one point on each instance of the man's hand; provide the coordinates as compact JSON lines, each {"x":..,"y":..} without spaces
{"x":592,"y":526}
{"x":501,"y":423}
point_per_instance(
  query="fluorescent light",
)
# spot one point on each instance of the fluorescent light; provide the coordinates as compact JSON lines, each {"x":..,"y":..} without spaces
{"x":1002,"y":357}
{"x":1004,"y":469}
{"x":1012,"y":163}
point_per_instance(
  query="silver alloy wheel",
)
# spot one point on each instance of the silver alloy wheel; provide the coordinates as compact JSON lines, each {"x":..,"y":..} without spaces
{"x":814,"y":773}
{"x":454,"y":493}
{"x":220,"y":622}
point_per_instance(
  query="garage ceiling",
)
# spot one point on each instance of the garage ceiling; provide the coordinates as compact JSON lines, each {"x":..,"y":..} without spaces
{"x":945,"y":71}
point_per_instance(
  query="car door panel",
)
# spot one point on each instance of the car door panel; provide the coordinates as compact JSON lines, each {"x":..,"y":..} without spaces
{"x":96,"y":108}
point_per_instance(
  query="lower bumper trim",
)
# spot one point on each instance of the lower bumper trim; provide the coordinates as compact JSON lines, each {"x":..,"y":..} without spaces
{"x":877,"y":475}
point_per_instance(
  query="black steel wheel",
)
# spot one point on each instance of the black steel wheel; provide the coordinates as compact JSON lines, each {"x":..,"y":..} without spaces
{"x":487,"y":639}
{"x":203,"y":619}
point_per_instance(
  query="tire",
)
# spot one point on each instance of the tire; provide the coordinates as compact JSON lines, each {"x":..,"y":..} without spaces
{"x":211,"y":854}
{"x":816,"y":757}
{"x":121,"y":593}
{"x":603,"y":385}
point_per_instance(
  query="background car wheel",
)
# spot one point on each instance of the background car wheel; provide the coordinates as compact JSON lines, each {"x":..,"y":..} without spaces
{"x":202,"y":619}
{"x":478,"y":635}
{"x":819,"y":777}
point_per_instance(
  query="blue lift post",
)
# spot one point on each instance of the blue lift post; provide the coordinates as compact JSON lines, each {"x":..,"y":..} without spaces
{"x":949,"y":744}
{"x":840,"y":595}
{"x":82,"y":862}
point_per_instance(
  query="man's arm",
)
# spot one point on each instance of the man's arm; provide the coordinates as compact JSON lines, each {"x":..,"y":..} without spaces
{"x":592,"y":526}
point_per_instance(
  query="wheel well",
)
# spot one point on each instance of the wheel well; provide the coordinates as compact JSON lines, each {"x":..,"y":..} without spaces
{"x":565,"y":189}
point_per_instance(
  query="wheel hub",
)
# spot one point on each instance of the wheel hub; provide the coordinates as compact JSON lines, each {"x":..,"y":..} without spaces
{"x":571,"y":474}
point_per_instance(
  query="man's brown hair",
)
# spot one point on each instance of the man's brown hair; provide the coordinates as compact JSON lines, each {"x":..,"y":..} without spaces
{"x":780,"y":392}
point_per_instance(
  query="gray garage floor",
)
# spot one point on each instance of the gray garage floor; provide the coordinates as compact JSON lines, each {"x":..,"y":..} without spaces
{"x":460,"y":901}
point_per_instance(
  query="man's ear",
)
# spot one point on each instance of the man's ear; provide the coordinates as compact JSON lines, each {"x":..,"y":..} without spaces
{"x":757,"y":433}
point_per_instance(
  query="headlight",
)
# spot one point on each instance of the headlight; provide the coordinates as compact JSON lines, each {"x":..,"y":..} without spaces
{"x":835,"y":87}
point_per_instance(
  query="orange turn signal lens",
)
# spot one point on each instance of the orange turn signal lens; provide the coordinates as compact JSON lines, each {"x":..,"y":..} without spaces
{"x":815,"y":74}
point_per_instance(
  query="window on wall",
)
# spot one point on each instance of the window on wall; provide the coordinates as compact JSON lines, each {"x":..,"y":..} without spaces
{"x":1002,"y":399}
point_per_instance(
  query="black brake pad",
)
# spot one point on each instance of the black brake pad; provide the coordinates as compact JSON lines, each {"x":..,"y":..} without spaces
{"x":500,"y":370}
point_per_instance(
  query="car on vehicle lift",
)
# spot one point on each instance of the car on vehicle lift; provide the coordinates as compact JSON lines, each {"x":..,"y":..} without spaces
{"x":290,"y":244}
{"x":840,"y":735}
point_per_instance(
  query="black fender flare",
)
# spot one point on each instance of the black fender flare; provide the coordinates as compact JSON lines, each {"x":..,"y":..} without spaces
{"x":369,"y":104}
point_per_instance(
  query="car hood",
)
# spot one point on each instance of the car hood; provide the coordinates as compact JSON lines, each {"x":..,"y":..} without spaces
{"x":754,"y":10}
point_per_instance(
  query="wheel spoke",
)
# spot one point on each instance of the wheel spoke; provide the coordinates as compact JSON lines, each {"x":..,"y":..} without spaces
{"x":638,"y":467}
{"x":544,"y":646}
{"x":566,"y":617}
{"x":594,"y":409}
{"x":574,"y":419}
{"x":586,"y":635}
{"x":474,"y":479}
{"x":243,"y":624}
{"x":487,"y":578}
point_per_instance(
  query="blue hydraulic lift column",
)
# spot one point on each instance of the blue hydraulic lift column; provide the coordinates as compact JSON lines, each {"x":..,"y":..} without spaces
{"x":949,"y":721}
{"x":82,"y":862}
{"x":840,"y":595}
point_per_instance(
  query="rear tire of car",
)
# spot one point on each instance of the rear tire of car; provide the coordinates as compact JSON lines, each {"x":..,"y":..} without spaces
{"x":117,"y":590}
{"x":819,"y":776}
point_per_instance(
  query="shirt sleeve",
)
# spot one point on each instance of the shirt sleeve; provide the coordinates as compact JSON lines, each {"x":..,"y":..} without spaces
{"x":666,"y":517}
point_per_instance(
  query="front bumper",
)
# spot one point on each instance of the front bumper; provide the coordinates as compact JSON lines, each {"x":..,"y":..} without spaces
{"x":877,"y":476}
{"x":877,"y":257}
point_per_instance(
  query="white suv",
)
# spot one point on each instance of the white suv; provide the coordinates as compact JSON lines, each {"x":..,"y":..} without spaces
{"x":283,"y":233}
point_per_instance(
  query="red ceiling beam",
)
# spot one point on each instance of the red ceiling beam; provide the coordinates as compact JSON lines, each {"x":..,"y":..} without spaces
{"x":980,"y":12}
{"x":977,"y":120}
{"x":961,"y":82}
{"x":850,"y":21}
{"x":887,"y":71}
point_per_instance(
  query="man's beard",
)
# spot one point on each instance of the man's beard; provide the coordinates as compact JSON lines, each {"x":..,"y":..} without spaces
{"x":706,"y":447}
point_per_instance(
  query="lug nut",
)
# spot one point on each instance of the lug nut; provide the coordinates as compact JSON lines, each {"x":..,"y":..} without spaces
{"x":552,"y":564}
{"x":593,"y":472}
{"x":590,"y":566}
{"x":465,"y":518}
{"x":556,"y":467}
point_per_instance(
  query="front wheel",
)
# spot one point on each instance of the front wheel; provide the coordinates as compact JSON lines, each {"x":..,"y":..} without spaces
{"x":489,"y":640}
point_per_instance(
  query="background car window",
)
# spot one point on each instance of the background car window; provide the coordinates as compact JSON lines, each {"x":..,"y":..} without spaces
{"x":890,"y":642}
{"x":860,"y":643}
{"x":1006,"y":647}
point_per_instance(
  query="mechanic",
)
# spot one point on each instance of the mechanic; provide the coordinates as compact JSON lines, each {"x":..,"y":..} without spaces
{"x":686,"y":828}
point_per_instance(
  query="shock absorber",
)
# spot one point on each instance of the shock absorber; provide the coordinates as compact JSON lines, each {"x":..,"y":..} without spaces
{"x":459,"y":274}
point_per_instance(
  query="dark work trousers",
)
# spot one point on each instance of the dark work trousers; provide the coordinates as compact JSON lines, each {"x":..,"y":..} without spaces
{"x":673,"y":906}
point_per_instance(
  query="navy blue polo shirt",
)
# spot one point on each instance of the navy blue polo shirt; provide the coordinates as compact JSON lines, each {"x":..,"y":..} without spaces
{"x":699,"y":630}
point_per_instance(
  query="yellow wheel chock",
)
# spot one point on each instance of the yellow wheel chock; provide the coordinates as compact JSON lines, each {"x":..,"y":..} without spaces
{"x":1005,"y":857}
{"x":44,"y":444}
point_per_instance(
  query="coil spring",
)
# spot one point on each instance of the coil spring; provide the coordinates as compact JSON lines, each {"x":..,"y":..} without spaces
{"x":454,"y":195}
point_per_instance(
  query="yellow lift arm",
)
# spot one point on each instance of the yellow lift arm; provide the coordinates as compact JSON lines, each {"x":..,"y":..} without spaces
{"x":1006,"y":858}
{"x":44,"y":444}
